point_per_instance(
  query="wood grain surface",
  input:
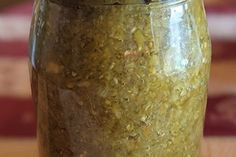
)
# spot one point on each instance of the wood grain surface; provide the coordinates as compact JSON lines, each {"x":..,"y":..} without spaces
{"x":211,"y":147}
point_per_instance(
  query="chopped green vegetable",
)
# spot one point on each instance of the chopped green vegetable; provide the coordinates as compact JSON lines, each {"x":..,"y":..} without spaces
{"x":119,"y":80}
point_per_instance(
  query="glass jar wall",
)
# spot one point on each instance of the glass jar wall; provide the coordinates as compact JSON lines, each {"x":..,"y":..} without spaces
{"x":119,"y":78}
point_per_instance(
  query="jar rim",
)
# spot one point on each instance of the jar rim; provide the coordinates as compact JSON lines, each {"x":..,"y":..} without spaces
{"x":115,"y":2}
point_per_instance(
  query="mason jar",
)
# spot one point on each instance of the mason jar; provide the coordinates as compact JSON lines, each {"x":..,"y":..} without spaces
{"x":119,"y":78}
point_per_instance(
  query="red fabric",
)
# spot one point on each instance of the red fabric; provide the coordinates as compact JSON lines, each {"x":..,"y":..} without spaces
{"x":17,"y":117}
{"x":24,"y":8}
{"x":222,"y":9}
{"x":221,"y":116}
{"x":223,"y":50}
{"x":13,"y":48}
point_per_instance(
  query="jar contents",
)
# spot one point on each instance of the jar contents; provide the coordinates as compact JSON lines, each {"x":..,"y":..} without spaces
{"x":119,"y":80}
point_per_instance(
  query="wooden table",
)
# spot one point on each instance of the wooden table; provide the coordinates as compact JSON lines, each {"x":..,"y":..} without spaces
{"x":212,"y":147}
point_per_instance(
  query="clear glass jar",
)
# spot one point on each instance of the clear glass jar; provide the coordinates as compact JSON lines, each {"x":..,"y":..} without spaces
{"x":119,"y":78}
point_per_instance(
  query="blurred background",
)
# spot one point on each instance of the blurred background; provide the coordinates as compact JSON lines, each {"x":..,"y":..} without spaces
{"x":17,"y":118}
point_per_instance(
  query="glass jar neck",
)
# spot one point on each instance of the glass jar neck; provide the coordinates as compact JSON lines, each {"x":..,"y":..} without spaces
{"x":113,"y":2}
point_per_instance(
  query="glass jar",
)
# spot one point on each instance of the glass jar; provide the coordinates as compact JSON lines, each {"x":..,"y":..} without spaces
{"x":121,"y":78}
